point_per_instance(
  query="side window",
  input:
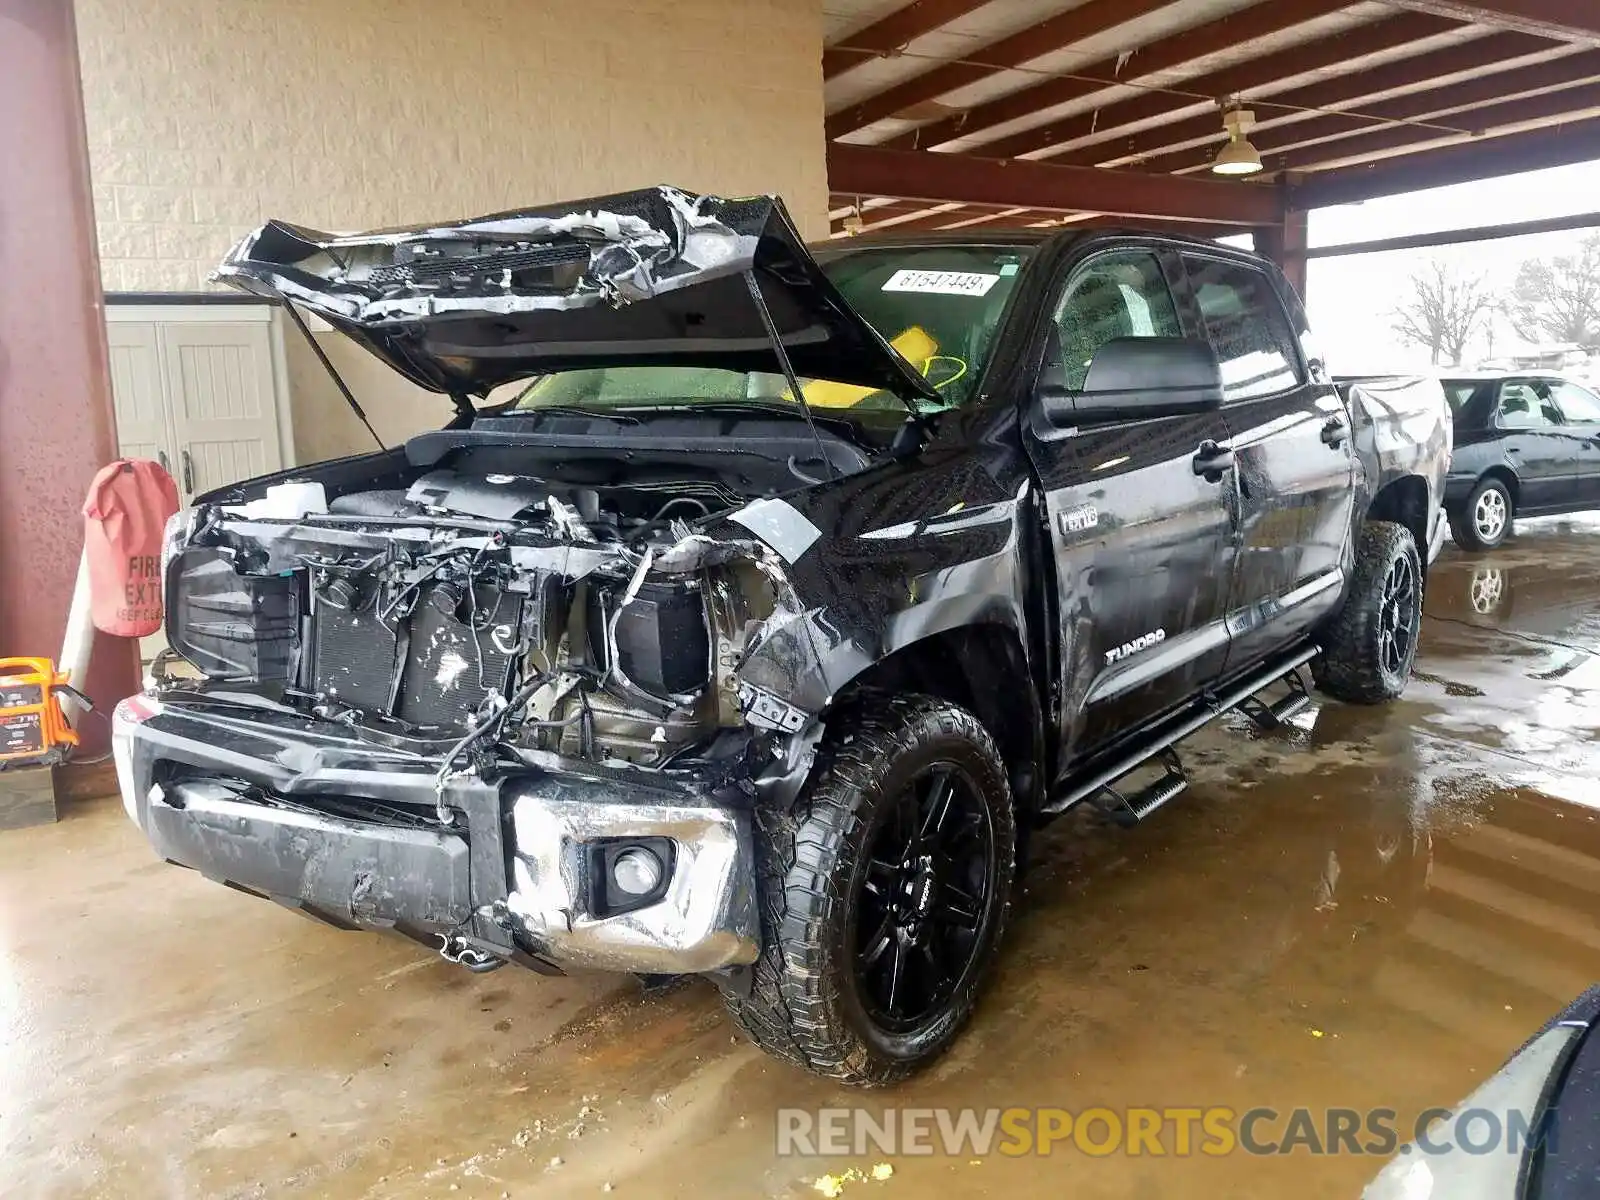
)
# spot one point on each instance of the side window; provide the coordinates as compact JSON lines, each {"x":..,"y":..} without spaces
{"x":1578,"y":405}
{"x":1522,"y":407}
{"x":1251,"y":333}
{"x":1118,"y":295}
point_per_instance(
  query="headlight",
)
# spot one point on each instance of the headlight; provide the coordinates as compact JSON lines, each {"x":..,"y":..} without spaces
{"x":175,"y":537}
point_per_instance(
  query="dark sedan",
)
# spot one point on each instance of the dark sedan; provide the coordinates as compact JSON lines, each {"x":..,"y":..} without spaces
{"x":1526,"y":446}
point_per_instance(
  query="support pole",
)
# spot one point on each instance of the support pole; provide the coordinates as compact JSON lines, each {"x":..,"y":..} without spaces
{"x":1285,"y":244}
{"x":57,"y":427}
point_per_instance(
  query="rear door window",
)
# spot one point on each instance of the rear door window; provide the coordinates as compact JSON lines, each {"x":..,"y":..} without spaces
{"x":1527,"y":406}
{"x":1244,"y":318}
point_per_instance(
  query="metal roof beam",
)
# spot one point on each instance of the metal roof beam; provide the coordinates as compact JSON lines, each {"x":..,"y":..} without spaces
{"x":1564,"y":20}
{"x":968,"y":179}
{"x":1202,"y":41}
{"x":1511,"y":154}
{"x":1360,"y":42}
{"x":1578,"y":103}
{"x":893,"y":33}
{"x":1062,"y":30}
{"x":1468,"y":107}
{"x":1345,"y":92}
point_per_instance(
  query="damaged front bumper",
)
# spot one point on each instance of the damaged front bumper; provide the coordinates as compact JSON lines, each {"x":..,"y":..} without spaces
{"x":298,"y":811}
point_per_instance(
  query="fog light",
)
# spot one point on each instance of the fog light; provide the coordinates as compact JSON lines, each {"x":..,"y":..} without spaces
{"x":636,"y":872}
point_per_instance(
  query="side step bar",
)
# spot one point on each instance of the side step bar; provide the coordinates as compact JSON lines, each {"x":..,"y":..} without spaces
{"x":1275,"y":716}
{"x":1174,"y":729}
{"x":1128,"y":810}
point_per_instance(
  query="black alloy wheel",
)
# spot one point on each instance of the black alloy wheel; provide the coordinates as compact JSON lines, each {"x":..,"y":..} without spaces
{"x":1398,"y":619}
{"x":931,"y":867}
{"x":1369,"y":646}
{"x":883,"y":891}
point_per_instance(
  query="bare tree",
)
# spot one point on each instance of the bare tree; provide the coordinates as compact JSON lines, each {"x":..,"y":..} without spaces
{"x":1558,"y":299}
{"x":1443,"y":312}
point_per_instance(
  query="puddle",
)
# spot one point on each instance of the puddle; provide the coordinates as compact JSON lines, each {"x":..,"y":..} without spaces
{"x":1369,"y":909}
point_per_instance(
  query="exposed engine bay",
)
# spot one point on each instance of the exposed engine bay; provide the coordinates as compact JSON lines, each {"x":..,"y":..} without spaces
{"x":468,"y":610}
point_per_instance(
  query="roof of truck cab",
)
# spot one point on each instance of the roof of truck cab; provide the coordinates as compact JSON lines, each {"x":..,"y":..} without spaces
{"x":1012,"y":237}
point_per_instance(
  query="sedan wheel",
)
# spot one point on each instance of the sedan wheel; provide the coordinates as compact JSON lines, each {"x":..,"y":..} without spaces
{"x":1483,"y":522}
{"x":1489,"y":515}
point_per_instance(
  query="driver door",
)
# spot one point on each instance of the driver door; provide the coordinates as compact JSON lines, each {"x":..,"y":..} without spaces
{"x":1143,"y":544}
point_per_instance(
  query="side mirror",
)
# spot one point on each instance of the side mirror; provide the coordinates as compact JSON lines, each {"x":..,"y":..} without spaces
{"x":1057,"y":402}
{"x":1150,"y":377}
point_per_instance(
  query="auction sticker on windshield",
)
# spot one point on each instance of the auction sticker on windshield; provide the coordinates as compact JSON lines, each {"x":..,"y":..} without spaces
{"x":942,"y":283}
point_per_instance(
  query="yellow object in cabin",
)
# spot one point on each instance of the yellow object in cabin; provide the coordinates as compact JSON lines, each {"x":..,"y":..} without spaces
{"x":915,"y":345}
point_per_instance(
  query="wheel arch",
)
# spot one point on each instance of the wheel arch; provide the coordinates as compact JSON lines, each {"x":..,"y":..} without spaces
{"x":982,"y":668}
{"x":1405,"y":501}
{"x":1506,"y":476}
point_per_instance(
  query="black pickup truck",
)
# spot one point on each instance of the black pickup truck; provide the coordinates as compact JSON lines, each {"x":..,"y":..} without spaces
{"x":758,"y":599}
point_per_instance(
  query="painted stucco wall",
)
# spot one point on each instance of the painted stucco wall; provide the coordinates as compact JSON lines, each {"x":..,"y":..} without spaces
{"x":207,"y":116}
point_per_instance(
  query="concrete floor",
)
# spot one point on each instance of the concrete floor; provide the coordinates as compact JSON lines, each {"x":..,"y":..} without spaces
{"x":1370,"y":910}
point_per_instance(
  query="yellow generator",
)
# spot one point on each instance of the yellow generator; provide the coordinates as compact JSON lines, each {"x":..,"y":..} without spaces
{"x":33,"y":729}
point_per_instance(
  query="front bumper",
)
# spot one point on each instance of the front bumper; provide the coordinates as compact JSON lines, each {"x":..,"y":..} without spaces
{"x":303,"y":813}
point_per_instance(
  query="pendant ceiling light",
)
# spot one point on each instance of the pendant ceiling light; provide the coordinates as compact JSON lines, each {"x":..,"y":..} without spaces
{"x":1237,"y":156}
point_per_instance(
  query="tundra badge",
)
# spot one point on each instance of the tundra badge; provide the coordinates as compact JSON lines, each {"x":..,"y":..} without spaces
{"x":1154,"y":638}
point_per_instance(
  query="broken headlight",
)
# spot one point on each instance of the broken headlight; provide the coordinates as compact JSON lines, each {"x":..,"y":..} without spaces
{"x":661,"y":641}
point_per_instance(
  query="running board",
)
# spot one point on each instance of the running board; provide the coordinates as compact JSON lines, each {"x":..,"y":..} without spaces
{"x":1128,"y":810}
{"x":1177,"y":727}
{"x":1275,"y":716}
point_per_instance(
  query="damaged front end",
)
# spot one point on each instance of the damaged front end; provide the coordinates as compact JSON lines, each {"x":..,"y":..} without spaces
{"x":516,"y":690}
{"x":475,"y":711}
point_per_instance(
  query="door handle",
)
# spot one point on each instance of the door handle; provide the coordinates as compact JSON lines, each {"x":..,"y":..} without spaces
{"x":188,"y":471}
{"x":1212,"y":460}
{"x":166,"y":463}
{"x":1334,"y":432}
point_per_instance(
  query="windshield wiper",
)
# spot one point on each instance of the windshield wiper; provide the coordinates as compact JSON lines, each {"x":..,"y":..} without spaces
{"x":567,"y":410}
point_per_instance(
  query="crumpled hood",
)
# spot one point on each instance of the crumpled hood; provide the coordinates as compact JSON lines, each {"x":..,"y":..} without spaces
{"x":653,"y":277}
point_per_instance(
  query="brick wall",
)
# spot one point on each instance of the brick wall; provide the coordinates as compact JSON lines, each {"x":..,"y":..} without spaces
{"x":204,"y":116}
{"x":207,"y":116}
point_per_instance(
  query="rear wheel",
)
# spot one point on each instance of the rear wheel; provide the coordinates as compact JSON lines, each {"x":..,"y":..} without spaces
{"x":1484,"y":521}
{"x":884,"y":894}
{"x":1368,"y":651}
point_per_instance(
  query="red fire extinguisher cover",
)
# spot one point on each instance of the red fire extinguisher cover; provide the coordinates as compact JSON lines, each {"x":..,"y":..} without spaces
{"x":124,"y":517}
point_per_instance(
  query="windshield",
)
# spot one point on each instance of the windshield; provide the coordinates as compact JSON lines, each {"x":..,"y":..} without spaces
{"x":939,"y":306}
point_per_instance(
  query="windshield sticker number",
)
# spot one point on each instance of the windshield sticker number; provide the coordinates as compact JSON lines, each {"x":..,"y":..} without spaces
{"x":942,"y":283}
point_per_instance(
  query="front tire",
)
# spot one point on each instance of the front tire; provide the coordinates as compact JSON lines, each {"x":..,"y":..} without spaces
{"x":1368,"y":651}
{"x":884,"y":893}
{"x":1484,"y":521}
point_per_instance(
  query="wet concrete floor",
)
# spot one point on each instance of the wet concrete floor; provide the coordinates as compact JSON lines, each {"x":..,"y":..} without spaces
{"x":1369,"y":910}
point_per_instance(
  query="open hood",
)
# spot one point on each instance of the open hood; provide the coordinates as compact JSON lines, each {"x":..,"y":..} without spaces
{"x":653,"y":277}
